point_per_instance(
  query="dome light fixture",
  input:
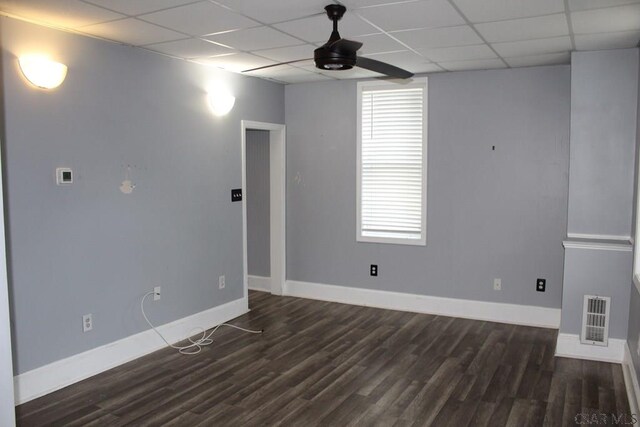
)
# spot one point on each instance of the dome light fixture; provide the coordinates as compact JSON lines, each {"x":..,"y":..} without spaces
{"x":220,"y":99}
{"x":42,"y":72}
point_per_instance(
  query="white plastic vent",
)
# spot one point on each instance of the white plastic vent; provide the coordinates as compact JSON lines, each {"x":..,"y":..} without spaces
{"x":595,"y":320}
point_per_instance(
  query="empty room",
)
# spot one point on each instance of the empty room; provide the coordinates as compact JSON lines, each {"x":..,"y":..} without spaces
{"x":319,"y":212}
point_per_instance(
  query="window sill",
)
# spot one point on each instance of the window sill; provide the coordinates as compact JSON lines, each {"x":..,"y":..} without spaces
{"x":392,"y":241}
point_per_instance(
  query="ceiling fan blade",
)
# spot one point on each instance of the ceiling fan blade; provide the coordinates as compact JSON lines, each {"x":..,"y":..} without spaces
{"x":275,"y":65}
{"x":382,"y":68}
{"x":344,"y":45}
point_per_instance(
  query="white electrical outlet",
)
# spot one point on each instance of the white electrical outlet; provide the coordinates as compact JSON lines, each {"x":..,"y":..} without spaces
{"x":497,"y":284}
{"x":87,"y":322}
{"x":156,"y":293}
{"x":221,"y":282}
{"x":638,"y":349}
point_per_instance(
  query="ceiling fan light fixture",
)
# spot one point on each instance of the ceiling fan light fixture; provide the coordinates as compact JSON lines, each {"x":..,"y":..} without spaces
{"x":334,"y":67}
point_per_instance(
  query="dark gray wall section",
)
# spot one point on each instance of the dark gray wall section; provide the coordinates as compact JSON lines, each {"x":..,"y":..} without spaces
{"x":603,"y":136}
{"x":257,"y":200}
{"x":491,"y":214}
{"x":88,"y":248}
{"x":596,"y":272}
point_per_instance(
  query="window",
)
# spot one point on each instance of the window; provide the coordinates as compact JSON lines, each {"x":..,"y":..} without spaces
{"x":392,"y":162}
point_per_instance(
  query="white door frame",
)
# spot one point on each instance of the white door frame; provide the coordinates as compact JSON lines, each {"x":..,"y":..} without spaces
{"x":277,"y":188}
{"x":7,"y":400}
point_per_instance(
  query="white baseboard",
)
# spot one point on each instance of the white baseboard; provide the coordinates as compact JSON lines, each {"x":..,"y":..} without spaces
{"x":569,"y":345}
{"x":59,"y":374}
{"x":469,"y":309}
{"x":259,"y":283}
{"x":631,"y":381}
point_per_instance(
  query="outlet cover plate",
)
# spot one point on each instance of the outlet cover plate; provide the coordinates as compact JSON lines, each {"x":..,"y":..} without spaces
{"x":64,"y":176}
{"x":87,"y":322}
{"x":497,"y":284}
{"x":541,"y":285}
{"x":221,"y":283}
{"x":236,"y":195}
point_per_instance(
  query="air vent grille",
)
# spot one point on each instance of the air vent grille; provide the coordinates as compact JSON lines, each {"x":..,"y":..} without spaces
{"x":595,"y":320}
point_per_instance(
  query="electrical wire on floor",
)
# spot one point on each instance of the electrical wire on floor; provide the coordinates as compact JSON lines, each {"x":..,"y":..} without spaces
{"x":196,"y":344}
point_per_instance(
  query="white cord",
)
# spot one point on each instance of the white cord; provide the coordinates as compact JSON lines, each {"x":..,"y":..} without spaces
{"x":196,"y":345}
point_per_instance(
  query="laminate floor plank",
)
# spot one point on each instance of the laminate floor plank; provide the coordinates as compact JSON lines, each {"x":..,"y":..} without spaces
{"x":327,"y":364}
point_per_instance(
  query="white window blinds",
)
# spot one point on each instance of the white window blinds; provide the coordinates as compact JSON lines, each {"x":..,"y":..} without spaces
{"x":392,"y":156}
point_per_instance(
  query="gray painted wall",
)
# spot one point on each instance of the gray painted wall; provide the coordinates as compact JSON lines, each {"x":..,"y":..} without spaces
{"x":88,"y":248}
{"x":7,"y":410}
{"x":603,"y":136}
{"x":490,"y":214}
{"x":257,"y":195}
{"x":596,"y":272}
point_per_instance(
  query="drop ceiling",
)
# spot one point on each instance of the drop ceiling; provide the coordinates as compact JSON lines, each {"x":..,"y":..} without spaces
{"x":421,"y":36}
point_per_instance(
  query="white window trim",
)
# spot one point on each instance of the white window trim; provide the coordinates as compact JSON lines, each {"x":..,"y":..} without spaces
{"x":415,"y":82}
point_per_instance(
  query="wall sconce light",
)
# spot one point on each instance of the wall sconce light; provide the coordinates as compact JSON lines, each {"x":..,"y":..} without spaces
{"x":42,"y":72}
{"x":220,"y":99}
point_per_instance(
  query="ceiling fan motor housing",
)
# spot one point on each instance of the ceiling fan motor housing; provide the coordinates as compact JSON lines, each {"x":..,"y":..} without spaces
{"x":332,"y":59}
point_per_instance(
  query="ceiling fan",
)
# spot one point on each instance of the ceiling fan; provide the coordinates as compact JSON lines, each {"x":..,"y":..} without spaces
{"x":340,"y":54}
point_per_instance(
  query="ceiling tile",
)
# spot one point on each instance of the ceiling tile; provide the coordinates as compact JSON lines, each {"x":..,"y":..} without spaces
{"x":290,"y":74}
{"x":310,"y":65}
{"x":190,"y":48}
{"x":132,"y":31}
{"x":599,"y":41}
{"x":438,"y":37}
{"x":411,"y":15}
{"x":482,"y":64}
{"x":497,"y":10}
{"x":62,"y":13}
{"x":533,"y":47}
{"x":354,"y":73}
{"x":622,"y":18}
{"x":269,"y":12}
{"x":536,"y":60}
{"x":426,"y":68}
{"x":524,"y":29}
{"x":317,"y":29}
{"x":286,"y":71}
{"x":303,"y":78}
{"x":199,"y":19}
{"x":236,"y":62}
{"x":254,"y":39}
{"x":355,"y":4}
{"x":291,"y":53}
{"x":137,"y":7}
{"x":461,"y":53}
{"x":575,"y":5}
{"x":404,"y":59}
{"x":378,"y":43}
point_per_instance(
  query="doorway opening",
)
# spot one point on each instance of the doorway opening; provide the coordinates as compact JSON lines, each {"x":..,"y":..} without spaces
{"x":253,"y":133}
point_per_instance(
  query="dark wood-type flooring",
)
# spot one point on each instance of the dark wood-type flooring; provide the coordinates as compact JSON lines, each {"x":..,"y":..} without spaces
{"x":321,"y":363}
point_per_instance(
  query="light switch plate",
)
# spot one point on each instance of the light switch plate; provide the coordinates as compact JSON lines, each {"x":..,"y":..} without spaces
{"x":64,"y":176}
